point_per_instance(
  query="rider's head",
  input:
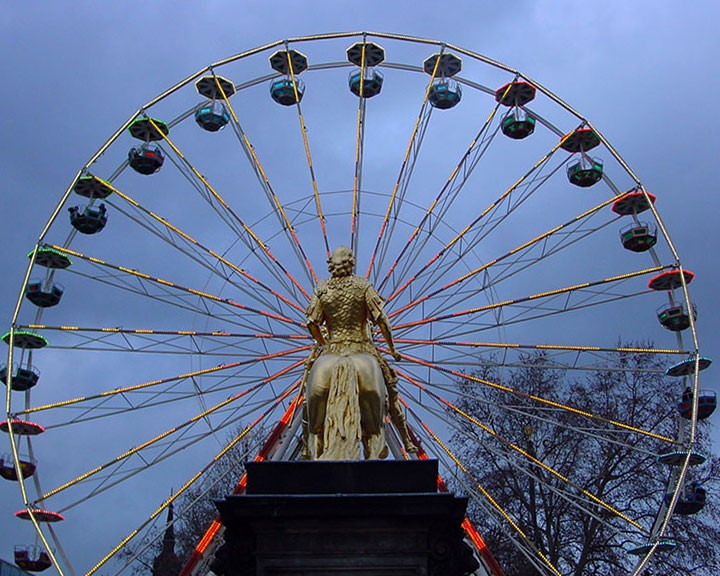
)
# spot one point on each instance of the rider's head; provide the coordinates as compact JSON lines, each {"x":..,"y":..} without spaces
{"x":342,"y":262}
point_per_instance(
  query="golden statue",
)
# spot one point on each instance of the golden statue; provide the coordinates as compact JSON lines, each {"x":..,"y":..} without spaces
{"x":350,"y":387}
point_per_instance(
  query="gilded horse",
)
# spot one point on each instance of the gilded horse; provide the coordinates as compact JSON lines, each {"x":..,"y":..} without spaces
{"x":347,"y":384}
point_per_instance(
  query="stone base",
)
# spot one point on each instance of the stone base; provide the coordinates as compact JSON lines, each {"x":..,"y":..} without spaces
{"x":367,"y":518}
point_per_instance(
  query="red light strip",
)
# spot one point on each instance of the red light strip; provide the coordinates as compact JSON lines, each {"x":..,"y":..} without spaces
{"x":212,"y":531}
{"x":467,"y":525}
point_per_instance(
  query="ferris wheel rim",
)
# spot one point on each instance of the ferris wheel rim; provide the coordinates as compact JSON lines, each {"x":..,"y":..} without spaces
{"x":143,"y":110}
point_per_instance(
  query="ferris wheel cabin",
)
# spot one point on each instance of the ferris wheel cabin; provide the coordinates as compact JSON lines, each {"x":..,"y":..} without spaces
{"x":22,"y":379}
{"x":585,"y":171}
{"x":26,"y":464}
{"x":32,"y":558}
{"x":445,"y":93}
{"x":638,"y":236}
{"x":365,"y":81}
{"x":517,"y":123}
{"x":691,"y":501}
{"x":707,"y":402}
{"x":88,"y":219}
{"x":147,"y":158}
{"x":366,"y":84}
{"x":44,"y":297}
{"x":288,"y":90}
{"x":213,"y":116}
{"x":675,"y":317}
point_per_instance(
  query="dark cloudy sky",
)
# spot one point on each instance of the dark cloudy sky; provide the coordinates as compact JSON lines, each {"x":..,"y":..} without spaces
{"x":644,"y":72}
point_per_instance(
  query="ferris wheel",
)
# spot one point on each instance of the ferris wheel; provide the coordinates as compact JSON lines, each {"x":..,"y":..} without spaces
{"x":163,"y":306}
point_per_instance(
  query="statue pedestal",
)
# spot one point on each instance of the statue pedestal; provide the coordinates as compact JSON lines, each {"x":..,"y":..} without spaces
{"x":366,"y":518}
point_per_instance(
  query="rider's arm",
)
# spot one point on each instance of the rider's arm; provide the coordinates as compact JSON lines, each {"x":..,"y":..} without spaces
{"x":315,"y":317}
{"x":377,"y":315}
{"x":316,"y":333}
{"x":387,"y":334}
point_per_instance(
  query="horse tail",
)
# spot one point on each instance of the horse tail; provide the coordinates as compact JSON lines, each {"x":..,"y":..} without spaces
{"x":343,"y":431}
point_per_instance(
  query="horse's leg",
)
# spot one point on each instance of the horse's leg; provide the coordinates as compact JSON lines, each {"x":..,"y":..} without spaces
{"x":373,"y":406}
{"x":317,"y":388}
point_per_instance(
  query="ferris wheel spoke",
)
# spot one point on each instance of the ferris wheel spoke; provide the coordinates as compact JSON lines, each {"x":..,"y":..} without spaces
{"x":261,"y":175}
{"x":546,"y":347}
{"x":245,"y":233}
{"x":397,"y":197}
{"x":217,"y":343}
{"x":504,"y":206}
{"x":448,"y":193}
{"x":454,"y":185}
{"x":393,"y":213}
{"x":192,"y":480}
{"x":157,"y":393}
{"x":616,"y":438}
{"x":147,"y":280}
{"x":504,"y":318}
{"x":178,"y":299}
{"x":469,"y":354}
{"x":308,"y":154}
{"x":104,"y":408}
{"x":582,"y":289}
{"x":141,"y":448}
{"x":125,"y":394}
{"x":124,"y":471}
{"x":266,"y":262}
{"x":568,"y":233}
{"x":214,"y":262}
{"x":508,"y":204}
{"x":421,"y":238}
{"x":535,"y":398}
{"x":524,"y":261}
{"x":528,"y":466}
{"x":359,"y":148}
{"x":547,"y":416}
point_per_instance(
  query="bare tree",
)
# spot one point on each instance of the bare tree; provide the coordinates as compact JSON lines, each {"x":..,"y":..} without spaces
{"x":579,"y":488}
